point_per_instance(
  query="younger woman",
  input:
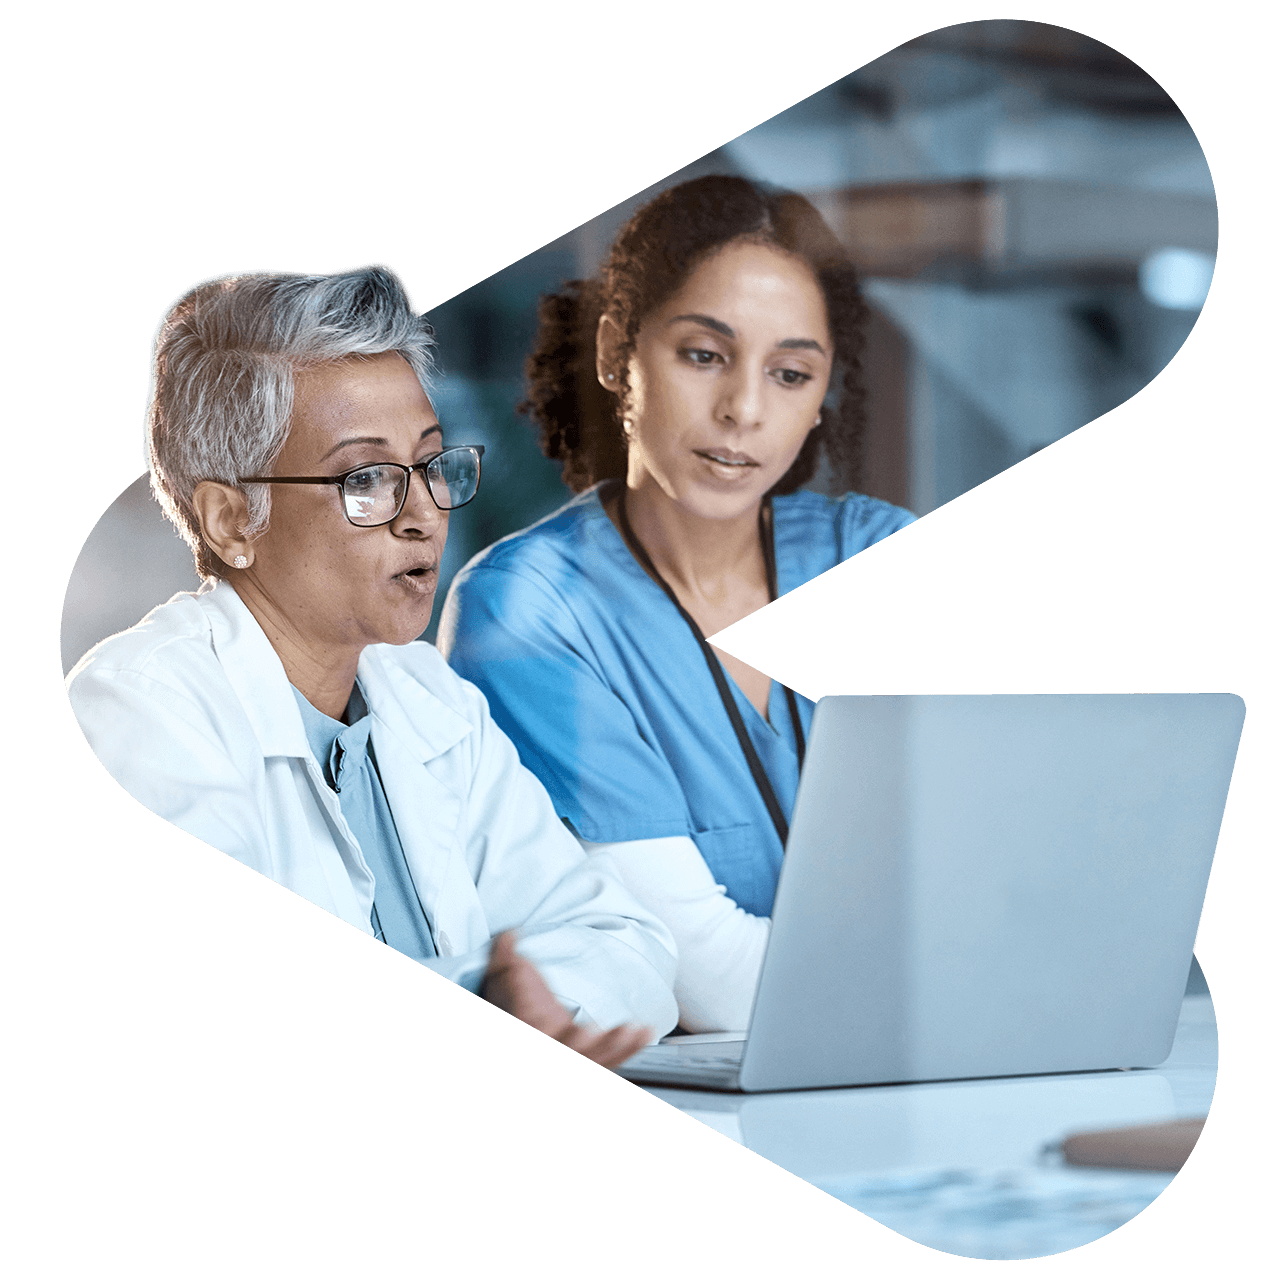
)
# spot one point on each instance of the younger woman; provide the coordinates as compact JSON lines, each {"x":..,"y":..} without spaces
{"x":689,"y":393}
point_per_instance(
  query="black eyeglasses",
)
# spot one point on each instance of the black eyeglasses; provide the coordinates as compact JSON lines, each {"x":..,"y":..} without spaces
{"x":375,"y":495}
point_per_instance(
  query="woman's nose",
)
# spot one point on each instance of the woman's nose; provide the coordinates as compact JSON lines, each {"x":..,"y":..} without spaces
{"x":419,"y":514}
{"x":742,"y":402}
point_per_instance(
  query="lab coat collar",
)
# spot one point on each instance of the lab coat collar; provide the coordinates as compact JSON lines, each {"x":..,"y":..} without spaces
{"x":425,"y":725}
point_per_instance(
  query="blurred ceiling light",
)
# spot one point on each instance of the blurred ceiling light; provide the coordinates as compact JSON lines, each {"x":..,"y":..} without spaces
{"x":1176,"y":278}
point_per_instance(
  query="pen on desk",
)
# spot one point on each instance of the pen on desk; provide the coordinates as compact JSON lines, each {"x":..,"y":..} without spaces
{"x":1161,"y":1148}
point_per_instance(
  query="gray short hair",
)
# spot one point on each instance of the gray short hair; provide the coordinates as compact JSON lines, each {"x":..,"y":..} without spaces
{"x":226,"y":358}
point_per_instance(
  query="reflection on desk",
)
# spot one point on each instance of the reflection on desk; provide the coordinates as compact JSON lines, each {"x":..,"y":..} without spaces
{"x":968,"y":1167}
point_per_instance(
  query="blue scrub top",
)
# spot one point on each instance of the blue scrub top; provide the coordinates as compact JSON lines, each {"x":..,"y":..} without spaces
{"x":603,"y":688}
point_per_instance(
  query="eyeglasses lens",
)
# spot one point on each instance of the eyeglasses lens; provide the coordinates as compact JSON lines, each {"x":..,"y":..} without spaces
{"x":454,"y":477}
{"x":373,"y":495}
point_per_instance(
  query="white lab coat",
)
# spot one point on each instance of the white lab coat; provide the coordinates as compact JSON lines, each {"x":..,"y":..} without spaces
{"x":192,"y":713}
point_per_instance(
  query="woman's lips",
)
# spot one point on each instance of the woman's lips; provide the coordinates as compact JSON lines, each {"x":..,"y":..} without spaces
{"x":418,"y":578}
{"x":727,"y":458}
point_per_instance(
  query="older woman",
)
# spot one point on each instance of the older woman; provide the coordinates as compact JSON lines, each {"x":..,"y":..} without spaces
{"x":284,"y":714}
{"x":690,"y":392}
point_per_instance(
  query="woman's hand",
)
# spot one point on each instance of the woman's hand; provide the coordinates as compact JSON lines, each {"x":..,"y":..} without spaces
{"x":515,"y":985}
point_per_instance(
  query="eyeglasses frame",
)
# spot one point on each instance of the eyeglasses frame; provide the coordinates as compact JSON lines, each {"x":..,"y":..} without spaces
{"x":341,"y":480}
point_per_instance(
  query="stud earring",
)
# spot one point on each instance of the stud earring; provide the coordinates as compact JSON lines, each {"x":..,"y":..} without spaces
{"x":817,"y":422}
{"x":241,"y":562}
{"x":608,"y":377}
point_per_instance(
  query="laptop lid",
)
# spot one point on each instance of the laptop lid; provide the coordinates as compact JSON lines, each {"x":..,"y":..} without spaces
{"x":984,"y":885}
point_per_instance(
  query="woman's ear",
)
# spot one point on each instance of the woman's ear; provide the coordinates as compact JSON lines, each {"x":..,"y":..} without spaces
{"x":608,"y":350}
{"x":223,"y":512}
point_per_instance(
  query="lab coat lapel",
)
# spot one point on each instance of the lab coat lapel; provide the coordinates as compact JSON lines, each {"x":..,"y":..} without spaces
{"x":414,"y":733}
{"x":255,"y":672}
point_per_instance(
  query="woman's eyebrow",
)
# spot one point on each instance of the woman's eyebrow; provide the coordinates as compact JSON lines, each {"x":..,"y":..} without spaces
{"x":707,"y":322}
{"x":379,"y":440}
{"x":719,"y":326}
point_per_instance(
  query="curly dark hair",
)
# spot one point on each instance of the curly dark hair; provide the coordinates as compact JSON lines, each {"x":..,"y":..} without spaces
{"x":653,"y":255}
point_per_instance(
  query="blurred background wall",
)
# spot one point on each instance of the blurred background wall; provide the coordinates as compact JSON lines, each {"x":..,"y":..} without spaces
{"x":1036,"y":226}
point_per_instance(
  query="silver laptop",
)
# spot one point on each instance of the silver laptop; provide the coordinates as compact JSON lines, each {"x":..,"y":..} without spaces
{"x":980,"y":885}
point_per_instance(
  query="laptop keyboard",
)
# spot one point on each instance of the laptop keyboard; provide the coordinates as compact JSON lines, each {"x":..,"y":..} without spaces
{"x":712,"y":1066}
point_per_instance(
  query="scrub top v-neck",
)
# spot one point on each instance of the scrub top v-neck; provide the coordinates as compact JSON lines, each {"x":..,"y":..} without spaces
{"x":600,"y":683}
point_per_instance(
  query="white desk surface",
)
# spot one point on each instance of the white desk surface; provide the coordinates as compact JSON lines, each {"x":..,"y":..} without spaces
{"x":963,"y":1166}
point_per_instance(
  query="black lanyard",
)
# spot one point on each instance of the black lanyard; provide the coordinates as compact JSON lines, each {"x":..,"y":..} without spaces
{"x":713,"y":663}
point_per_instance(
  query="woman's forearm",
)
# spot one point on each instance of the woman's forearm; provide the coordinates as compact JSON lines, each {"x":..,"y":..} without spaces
{"x":721,"y":947}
